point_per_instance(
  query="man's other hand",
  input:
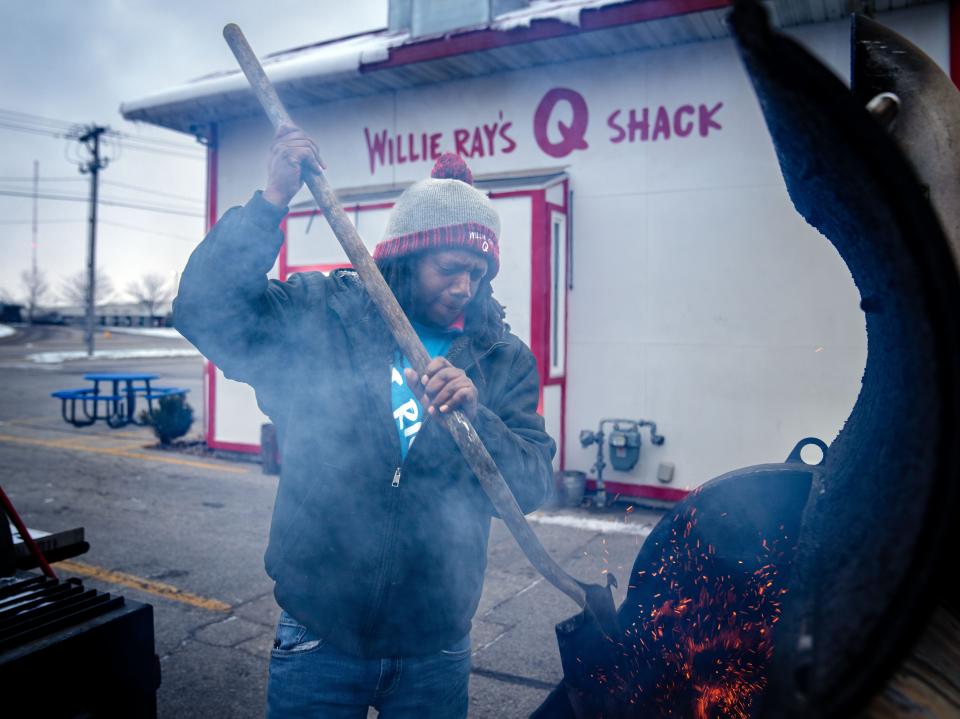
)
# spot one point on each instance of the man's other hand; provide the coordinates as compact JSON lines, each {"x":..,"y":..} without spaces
{"x":444,"y":388}
{"x":291,"y":153}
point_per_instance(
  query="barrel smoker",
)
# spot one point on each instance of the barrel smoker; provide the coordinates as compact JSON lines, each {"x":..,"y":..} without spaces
{"x":796,"y":589}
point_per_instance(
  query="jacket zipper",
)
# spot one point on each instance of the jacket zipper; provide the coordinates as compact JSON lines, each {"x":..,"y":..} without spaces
{"x":395,"y":483}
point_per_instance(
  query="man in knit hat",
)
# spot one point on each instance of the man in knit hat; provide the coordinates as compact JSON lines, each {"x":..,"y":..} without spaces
{"x":378,"y":543}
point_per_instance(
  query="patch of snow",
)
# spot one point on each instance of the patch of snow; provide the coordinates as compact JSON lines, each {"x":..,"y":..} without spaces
{"x":7,"y":331}
{"x":58,"y":357}
{"x":566,"y":11}
{"x":329,"y":59}
{"x":167,"y":332}
{"x":344,"y":58}
{"x":604,"y":526}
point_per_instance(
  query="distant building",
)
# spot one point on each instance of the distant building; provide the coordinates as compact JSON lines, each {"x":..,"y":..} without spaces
{"x":117,"y":314}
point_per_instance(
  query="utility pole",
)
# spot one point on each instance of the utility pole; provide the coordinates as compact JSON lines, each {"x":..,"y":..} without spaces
{"x":91,"y":139}
{"x":33,"y":244}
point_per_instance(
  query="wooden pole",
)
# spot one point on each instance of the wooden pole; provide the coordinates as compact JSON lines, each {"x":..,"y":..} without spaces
{"x":456,"y":422}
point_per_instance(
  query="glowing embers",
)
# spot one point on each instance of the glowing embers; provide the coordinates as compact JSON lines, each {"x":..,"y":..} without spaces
{"x":695,"y":634}
{"x":702,"y":637}
{"x":697,"y":622}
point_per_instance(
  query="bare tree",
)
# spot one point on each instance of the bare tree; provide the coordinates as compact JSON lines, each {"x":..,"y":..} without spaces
{"x":150,"y":292}
{"x":36,"y":290}
{"x":74,"y":288}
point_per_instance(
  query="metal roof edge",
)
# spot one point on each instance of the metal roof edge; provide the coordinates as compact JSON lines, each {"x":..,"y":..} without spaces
{"x":365,"y":53}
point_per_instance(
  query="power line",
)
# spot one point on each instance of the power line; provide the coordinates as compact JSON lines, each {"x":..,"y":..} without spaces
{"x":150,"y":190}
{"x":105,"y":201}
{"x":24,"y":118}
{"x":193,"y":240}
{"x":127,"y":137}
{"x":38,"y":119}
{"x":32,"y":130}
{"x":61,"y":129}
{"x":43,"y":179}
{"x":41,"y":222}
{"x":102,"y":221}
{"x":158,"y":151}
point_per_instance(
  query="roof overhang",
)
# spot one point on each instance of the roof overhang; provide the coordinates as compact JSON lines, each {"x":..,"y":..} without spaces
{"x":542,"y":34}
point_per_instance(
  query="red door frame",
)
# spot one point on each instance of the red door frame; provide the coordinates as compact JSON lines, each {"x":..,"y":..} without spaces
{"x":540,"y":288}
{"x":540,"y":283}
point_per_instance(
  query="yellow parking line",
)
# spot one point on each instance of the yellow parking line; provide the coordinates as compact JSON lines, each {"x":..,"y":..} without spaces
{"x":119,"y":452}
{"x":27,"y":420}
{"x":159,"y":589}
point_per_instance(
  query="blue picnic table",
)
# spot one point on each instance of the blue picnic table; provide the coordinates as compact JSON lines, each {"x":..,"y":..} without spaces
{"x":115,"y":403}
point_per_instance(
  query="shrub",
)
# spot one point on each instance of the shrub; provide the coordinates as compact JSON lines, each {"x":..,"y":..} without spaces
{"x":171,"y":419}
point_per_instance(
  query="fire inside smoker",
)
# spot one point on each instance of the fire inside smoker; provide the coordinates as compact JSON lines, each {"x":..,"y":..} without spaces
{"x":704,"y":595}
{"x":703,"y":642}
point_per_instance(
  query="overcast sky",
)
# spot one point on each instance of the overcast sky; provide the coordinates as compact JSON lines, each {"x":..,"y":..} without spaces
{"x":76,"y":62}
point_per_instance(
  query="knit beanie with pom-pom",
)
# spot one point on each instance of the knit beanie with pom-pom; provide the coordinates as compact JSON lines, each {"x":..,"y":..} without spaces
{"x":443,"y":212}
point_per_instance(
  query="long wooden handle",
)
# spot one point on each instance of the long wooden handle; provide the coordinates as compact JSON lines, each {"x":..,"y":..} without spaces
{"x":457,"y":424}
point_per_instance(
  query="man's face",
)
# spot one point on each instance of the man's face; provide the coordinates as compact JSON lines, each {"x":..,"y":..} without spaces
{"x":446,"y":281}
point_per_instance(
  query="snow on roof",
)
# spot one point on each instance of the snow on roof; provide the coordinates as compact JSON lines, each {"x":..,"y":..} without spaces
{"x":326,"y":59}
{"x":346,"y":56}
{"x":566,"y":11}
{"x":382,"y":60}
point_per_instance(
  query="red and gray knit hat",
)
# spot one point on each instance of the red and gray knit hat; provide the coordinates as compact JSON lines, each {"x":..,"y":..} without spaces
{"x":443,"y":212}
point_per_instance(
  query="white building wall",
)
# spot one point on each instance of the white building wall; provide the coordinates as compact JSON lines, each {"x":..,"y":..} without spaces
{"x":701,"y":299}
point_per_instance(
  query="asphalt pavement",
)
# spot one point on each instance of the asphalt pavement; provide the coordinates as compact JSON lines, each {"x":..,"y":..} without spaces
{"x":187,"y":533}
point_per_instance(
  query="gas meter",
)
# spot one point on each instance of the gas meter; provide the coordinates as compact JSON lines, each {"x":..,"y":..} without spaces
{"x":624,"y":447}
{"x":624,"y":441}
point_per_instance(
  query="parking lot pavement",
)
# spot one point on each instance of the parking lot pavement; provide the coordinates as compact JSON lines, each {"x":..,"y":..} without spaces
{"x":187,"y":534}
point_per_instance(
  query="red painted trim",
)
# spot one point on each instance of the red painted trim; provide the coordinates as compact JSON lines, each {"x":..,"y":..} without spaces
{"x":646,"y":491}
{"x":291,"y":269}
{"x":378,"y":206}
{"x":346,"y":208}
{"x":566,"y":325}
{"x":213,"y":169}
{"x":282,"y":270}
{"x":562,"y":439}
{"x":515,"y":193}
{"x":307,"y":213}
{"x":210,"y":396}
{"x":236,"y":447}
{"x":544,"y":29}
{"x":955,"y":42}
{"x":540,"y":285}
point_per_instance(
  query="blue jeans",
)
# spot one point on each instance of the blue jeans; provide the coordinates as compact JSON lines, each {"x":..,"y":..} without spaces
{"x":310,"y":678}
